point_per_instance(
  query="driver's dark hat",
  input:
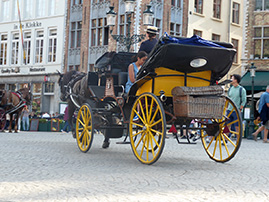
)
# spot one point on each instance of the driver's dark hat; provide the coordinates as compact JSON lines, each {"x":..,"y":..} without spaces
{"x":152,"y":30}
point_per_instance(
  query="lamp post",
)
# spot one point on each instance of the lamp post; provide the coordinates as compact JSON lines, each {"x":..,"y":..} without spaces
{"x":128,"y":40}
{"x":251,"y":124}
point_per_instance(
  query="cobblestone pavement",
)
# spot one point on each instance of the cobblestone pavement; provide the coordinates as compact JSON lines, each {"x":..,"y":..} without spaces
{"x":43,"y":166}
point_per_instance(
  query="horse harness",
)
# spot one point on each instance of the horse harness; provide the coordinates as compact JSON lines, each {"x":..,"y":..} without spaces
{"x":21,"y":104}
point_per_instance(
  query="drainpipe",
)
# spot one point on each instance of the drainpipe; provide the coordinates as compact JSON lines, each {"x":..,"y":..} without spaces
{"x":229,"y":21}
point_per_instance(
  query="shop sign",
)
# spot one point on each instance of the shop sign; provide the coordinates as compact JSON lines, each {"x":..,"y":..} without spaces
{"x":37,"y":69}
{"x":11,"y":70}
{"x":28,"y":25}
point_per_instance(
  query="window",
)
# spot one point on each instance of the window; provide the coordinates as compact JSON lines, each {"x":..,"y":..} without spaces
{"x":215,"y":37}
{"x":39,"y":46}
{"x":3,"y":49}
{"x":28,"y":8}
{"x":76,"y":2}
{"x":261,"y":42}
{"x":198,"y":6}
{"x":174,"y":29}
{"x":217,"y":9}
{"x":175,"y":3}
{"x":52,"y":45}
{"x":73,"y":67}
{"x":123,"y":24}
{"x":197,"y":32}
{"x":235,"y":43}
{"x":41,"y":5}
{"x":48,"y":87}
{"x":261,"y":5}
{"x":15,"y":49}
{"x":76,"y":34}
{"x":27,"y":47}
{"x":36,"y":103}
{"x":236,"y":9}
{"x":99,"y":32}
{"x":5,"y":10}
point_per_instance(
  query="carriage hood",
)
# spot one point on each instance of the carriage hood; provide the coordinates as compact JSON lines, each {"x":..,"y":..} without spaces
{"x":114,"y":62}
{"x":178,"y":53}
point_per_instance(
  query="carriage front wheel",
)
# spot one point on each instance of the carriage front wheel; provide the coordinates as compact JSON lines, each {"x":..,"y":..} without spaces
{"x":224,"y":144}
{"x":147,"y":128}
{"x":84,"y":128}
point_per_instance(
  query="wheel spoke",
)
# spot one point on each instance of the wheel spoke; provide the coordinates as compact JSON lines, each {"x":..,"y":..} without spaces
{"x":141,"y":138}
{"x":142,"y":110}
{"x":138,"y":133}
{"x":150,"y":111}
{"x":147,"y":110}
{"x":220,"y":147}
{"x":152,"y":136}
{"x":155,"y":123}
{"x":136,"y":124}
{"x":235,"y":121}
{"x":83,"y":125}
{"x":229,"y":139}
{"x":139,"y":117}
{"x":225,"y":145}
{"x":152,"y":150}
{"x":143,"y":146}
{"x":155,"y":113}
{"x":157,"y":132}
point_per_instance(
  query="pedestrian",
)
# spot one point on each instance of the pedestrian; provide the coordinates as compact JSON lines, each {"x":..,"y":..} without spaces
{"x":66,"y":127}
{"x":238,"y":95}
{"x":134,"y":67}
{"x":264,"y":116}
{"x":148,"y":45}
{"x":25,"y":118}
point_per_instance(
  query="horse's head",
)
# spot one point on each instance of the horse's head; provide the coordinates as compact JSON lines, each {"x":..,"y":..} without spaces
{"x":27,"y":95}
{"x":63,"y":81}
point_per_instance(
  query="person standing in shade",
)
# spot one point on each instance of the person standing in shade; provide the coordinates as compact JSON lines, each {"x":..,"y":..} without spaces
{"x":148,"y":45}
{"x":238,"y":95}
{"x":25,"y":118}
{"x":263,"y":111}
{"x":66,"y":127}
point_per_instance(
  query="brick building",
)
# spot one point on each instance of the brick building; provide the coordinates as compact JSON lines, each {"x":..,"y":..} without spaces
{"x":256,"y":46}
{"x":88,"y":36}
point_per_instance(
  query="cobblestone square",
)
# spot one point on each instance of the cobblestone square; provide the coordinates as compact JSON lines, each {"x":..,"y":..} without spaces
{"x":46,"y":166}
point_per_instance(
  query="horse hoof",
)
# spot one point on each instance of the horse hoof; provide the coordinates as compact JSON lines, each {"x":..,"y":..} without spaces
{"x":105,"y":145}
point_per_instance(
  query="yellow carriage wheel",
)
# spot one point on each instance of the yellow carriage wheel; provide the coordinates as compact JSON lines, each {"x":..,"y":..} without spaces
{"x":224,"y":144}
{"x":84,"y":128}
{"x":147,"y":134}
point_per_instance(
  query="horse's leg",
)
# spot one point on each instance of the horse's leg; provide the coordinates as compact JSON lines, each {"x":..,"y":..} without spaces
{"x":71,"y":109}
{"x":16,"y":122}
{"x":10,"y":123}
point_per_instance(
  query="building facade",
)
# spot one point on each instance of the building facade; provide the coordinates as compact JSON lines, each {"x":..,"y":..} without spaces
{"x":219,"y":20}
{"x":256,"y":32}
{"x":32,"y":57}
{"x":88,"y":36}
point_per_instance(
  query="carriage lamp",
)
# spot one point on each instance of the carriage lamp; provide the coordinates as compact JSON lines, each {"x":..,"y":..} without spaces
{"x":148,"y":16}
{"x":252,"y":70}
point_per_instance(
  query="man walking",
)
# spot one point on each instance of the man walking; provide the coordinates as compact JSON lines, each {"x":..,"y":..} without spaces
{"x":238,"y":95}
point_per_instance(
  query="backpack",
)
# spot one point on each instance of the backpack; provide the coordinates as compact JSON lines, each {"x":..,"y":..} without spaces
{"x":240,"y":94}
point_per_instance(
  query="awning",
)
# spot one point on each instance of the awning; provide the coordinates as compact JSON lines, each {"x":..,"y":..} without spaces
{"x":261,"y":80}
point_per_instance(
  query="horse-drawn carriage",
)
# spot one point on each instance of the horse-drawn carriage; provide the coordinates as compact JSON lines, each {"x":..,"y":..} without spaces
{"x":175,"y":86}
{"x":12,"y":103}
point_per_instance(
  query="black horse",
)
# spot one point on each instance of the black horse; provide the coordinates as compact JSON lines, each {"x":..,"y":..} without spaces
{"x":74,"y":90}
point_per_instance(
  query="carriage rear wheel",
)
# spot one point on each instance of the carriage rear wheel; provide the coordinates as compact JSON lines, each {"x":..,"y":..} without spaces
{"x":147,"y":134}
{"x":224,"y":144}
{"x":2,"y":119}
{"x":84,"y":128}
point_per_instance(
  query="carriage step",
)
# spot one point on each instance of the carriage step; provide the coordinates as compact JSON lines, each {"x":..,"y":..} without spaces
{"x":123,"y":142}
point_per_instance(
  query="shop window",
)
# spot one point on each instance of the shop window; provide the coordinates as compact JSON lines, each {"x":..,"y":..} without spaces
{"x":49,"y":88}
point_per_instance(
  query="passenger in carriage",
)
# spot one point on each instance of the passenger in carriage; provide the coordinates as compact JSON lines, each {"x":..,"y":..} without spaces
{"x":148,"y":45}
{"x":134,"y":67}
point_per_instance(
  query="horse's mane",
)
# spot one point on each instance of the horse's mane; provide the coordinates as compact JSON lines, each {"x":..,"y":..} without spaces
{"x":67,"y":77}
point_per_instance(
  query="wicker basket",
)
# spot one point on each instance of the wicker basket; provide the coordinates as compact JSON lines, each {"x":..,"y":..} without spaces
{"x":199,"y":104}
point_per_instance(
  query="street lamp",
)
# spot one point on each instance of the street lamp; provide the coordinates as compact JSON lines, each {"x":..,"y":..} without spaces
{"x":251,"y":124}
{"x":129,"y":9}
